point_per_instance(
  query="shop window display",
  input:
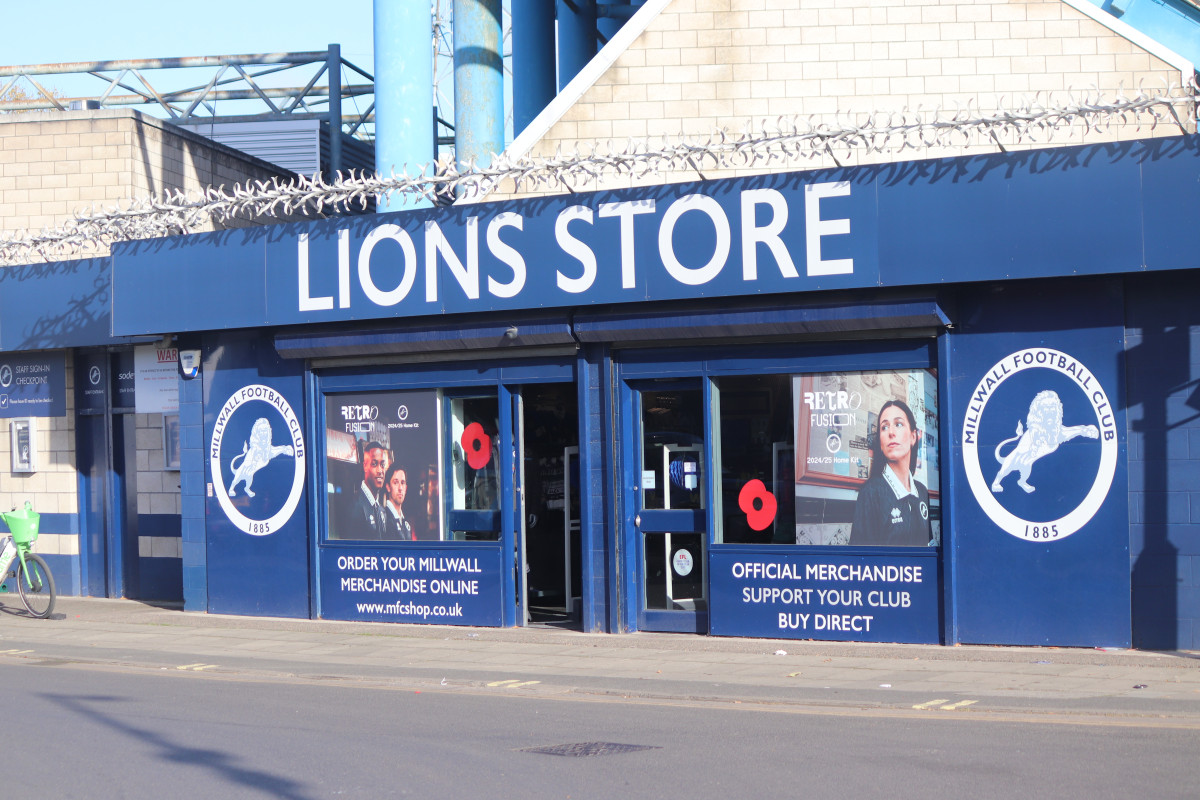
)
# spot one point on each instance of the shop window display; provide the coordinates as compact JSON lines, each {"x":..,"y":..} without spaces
{"x":475,"y":464}
{"x":382,"y":471}
{"x":830,"y":459}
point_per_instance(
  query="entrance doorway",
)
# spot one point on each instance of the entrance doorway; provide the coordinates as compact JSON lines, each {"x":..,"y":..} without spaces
{"x":548,"y":429}
{"x":668,"y":495}
{"x":534,"y":496}
{"x":107,"y":458}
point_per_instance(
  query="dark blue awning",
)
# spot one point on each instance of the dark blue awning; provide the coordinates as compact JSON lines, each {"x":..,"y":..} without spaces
{"x":773,"y":321}
{"x":664,"y":324}
{"x":501,"y":332}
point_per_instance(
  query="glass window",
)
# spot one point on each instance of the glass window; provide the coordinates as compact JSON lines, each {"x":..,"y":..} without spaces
{"x":475,"y":467}
{"x":755,"y":426}
{"x":381,"y":457}
{"x":829,"y":459}
{"x":673,"y":449}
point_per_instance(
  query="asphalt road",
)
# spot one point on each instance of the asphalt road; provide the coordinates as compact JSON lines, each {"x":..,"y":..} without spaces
{"x":107,"y":731}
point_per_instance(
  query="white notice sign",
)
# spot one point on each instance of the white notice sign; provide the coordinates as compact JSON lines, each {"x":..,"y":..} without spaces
{"x":156,"y":379}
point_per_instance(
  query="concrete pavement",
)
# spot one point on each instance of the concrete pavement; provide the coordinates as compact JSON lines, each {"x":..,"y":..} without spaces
{"x":1047,"y":684}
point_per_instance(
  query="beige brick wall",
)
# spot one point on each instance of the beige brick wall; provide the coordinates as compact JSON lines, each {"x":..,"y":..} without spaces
{"x":704,"y":65}
{"x":53,"y":164}
{"x":53,"y":488}
{"x":157,"y":489}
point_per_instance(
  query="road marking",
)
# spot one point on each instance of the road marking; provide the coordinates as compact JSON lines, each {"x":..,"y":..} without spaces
{"x":197,"y":667}
{"x":793,"y":674}
{"x":15,"y":652}
{"x":512,"y":684}
{"x":959,"y":704}
{"x":931,"y":703}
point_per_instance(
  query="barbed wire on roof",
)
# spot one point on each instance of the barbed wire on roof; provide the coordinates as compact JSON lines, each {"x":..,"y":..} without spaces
{"x":776,"y":144}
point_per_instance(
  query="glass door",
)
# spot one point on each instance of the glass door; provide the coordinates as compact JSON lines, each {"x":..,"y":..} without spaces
{"x":669,"y":498}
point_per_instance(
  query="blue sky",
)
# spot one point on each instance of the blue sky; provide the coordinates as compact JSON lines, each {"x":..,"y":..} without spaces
{"x":75,"y":30}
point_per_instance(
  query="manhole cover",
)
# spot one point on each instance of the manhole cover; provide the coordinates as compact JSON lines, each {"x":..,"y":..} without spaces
{"x":586,"y":749}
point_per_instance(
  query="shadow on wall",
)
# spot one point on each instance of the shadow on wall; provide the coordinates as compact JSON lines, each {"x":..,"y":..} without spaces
{"x":1161,"y":380}
{"x":55,"y":305}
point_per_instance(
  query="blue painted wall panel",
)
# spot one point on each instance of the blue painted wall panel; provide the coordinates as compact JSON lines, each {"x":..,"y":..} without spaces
{"x":159,"y":577}
{"x":1015,"y":585}
{"x":256,"y":548}
{"x":1164,"y":422}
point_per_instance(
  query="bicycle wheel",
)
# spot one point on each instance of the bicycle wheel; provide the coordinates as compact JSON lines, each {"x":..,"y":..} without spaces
{"x":36,"y":585}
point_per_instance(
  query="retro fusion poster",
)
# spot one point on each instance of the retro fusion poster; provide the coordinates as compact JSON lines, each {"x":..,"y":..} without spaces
{"x":382,"y":466}
{"x":841,"y":459}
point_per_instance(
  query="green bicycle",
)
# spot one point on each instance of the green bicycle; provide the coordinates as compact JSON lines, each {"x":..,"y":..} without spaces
{"x":34,"y":581}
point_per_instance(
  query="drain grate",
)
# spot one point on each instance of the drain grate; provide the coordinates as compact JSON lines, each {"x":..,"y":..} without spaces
{"x":588,"y":749}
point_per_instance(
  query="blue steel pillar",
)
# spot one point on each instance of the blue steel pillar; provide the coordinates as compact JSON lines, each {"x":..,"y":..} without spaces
{"x":403,"y":92}
{"x":610,"y":16}
{"x":478,"y":82}
{"x":576,"y":37}
{"x":333,"y":71}
{"x":192,"y":485}
{"x":532,"y":60}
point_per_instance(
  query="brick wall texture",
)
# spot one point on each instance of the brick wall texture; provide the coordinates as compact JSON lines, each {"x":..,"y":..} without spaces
{"x":705,"y":65}
{"x":56,"y":163}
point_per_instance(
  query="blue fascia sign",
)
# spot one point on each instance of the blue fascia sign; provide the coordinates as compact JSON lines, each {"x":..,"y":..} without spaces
{"x":1001,"y":217}
{"x":783,"y":234}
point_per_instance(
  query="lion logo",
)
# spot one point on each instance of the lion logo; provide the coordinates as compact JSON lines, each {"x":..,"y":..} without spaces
{"x":255,"y":454}
{"x":1041,"y":435}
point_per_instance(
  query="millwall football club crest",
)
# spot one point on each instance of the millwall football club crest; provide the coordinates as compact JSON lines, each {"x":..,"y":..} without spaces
{"x":1040,"y":444}
{"x":257,"y":460}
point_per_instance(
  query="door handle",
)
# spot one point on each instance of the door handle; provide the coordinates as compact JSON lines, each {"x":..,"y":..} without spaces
{"x":637,"y":521}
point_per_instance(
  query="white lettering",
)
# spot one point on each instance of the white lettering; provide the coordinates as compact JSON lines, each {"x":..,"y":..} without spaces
{"x":575,"y":248}
{"x":307,"y":301}
{"x":752,"y":235}
{"x":506,"y":254}
{"x":343,"y":269}
{"x":666,"y":246}
{"x":373,"y":292}
{"x":626,"y":211}
{"x":467,"y":275}
{"x":815,"y":228}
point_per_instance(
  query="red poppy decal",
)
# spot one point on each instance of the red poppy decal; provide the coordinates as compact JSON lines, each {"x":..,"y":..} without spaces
{"x":758,"y":504}
{"x":478,"y":446}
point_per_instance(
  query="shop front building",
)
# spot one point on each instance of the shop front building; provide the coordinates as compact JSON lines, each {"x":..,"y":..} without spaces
{"x":910,"y":402}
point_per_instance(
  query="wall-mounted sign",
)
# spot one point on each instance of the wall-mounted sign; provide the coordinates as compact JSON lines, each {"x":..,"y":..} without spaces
{"x":1042,"y":518}
{"x":825,"y":596}
{"x":1025,"y":477}
{"x":33,"y":385}
{"x":91,"y":382}
{"x":157,"y":379}
{"x":257,"y":432}
{"x":790,"y":233}
{"x":444,"y":586}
